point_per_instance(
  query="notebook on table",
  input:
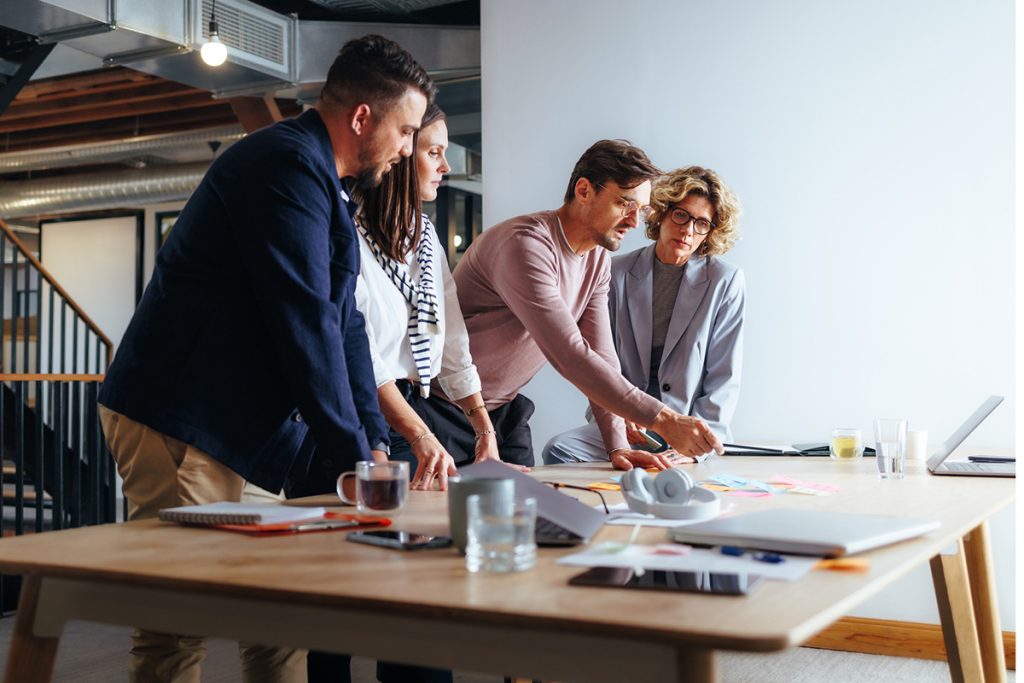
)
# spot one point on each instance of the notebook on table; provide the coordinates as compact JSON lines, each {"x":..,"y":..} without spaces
{"x":937,"y":463}
{"x":240,"y":513}
{"x":804,"y":532}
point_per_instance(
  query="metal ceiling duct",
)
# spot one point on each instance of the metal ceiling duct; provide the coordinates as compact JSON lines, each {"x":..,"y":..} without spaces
{"x":114,"y":150}
{"x":267,"y":52}
{"x":382,"y":6}
{"x":94,"y":191}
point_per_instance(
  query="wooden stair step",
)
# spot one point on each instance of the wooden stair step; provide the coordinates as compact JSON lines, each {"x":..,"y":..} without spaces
{"x":17,"y":325}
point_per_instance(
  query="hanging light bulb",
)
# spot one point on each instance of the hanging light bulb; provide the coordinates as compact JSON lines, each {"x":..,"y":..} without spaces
{"x":213,"y":51}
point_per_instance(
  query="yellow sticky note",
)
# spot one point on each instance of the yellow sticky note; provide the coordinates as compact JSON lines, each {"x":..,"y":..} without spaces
{"x":603,"y":486}
{"x":716,"y":487}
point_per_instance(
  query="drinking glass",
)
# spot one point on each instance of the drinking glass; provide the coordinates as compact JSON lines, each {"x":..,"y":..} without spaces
{"x":503,"y":491}
{"x":500,"y":537}
{"x":846,"y":444}
{"x":380,"y":487}
{"x":890,"y":447}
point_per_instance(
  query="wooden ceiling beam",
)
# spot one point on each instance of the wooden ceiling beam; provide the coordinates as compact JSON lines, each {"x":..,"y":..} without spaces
{"x":90,"y":101}
{"x":84,"y":81}
{"x":55,"y":98}
{"x":255,"y":112}
{"x":171,"y":102}
{"x":119,"y":129}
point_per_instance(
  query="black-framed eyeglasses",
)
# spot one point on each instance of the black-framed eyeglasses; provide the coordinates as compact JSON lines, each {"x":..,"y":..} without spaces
{"x":683,"y":218}
{"x":629,"y":206}
{"x":560,"y":485}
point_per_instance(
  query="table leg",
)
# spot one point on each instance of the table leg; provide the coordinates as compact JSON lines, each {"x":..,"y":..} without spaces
{"x":696,"y":666}
{"x":978,"y":554}
{"x":956,"y":611}
{"x":30,"y":657}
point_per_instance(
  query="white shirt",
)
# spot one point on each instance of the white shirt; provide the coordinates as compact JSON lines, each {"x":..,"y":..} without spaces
{"x":387,"y":319}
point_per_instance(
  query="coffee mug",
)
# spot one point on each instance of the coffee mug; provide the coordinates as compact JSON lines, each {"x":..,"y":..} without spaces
{"x":500,"y":493}
{"x":381,"y":487}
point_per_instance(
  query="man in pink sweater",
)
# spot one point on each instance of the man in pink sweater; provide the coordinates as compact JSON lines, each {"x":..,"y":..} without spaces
{"x":534,"y":289}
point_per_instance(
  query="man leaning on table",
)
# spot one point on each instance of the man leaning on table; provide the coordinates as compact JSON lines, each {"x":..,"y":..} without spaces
{"x":534,"y":289}
{"x":248,"y":336}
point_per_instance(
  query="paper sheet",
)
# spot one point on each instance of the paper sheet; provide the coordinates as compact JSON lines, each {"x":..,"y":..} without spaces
{"x":615,"y":554}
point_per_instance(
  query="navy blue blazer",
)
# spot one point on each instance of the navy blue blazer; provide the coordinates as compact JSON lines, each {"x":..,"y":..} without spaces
{"x":248,"y":331}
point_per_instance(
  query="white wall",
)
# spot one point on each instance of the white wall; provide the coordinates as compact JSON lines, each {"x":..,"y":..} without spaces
{"x":94,"y":261}
{"x":871,"y":146}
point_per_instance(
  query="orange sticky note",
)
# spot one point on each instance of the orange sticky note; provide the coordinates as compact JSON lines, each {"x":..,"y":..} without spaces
{"x":603,"y":486}
{"x":845,"y":564}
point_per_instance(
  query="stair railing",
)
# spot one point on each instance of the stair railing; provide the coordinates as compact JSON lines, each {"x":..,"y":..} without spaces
{"x":57,"y":470}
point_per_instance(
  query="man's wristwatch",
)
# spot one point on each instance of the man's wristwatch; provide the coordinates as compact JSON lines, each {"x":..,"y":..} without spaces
{"x":381,"y":446}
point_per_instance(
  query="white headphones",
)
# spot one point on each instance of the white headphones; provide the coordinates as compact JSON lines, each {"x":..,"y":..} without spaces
{"x":671,"y":495}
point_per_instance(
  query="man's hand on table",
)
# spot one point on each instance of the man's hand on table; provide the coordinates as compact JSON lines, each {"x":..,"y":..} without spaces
{"x":627,"y":460}
{"x":687,"y":435}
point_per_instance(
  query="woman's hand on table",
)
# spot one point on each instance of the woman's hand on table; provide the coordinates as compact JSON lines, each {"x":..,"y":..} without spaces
{"x":433,"y":463}
{"x":487,"y":449}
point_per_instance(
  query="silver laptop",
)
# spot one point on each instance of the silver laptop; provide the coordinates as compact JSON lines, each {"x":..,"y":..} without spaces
{"x":804,"y":532}
{"x":561,"y":520}
{"x":937,"y":463}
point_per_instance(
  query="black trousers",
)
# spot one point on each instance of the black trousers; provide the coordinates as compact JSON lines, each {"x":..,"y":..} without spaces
{"x":310,"y":476}
{"x":453,"y":431}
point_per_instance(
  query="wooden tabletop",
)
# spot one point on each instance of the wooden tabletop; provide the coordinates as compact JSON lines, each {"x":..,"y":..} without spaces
{"x":323,"y":569}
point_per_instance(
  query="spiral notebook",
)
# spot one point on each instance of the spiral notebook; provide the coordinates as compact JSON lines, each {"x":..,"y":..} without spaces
{"x":240,"y":513}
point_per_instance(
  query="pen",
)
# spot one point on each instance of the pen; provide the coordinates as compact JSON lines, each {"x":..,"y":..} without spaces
{"x":324,"y":524}
{"x":753,"y":448}
{"x":770,"y":558}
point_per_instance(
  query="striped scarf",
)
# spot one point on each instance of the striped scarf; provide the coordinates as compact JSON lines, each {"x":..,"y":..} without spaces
{"x":420,"y":297}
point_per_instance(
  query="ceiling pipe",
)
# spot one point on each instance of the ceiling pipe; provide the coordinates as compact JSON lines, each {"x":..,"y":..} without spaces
{"x":95,"y":191}
{"x":114,"y":150}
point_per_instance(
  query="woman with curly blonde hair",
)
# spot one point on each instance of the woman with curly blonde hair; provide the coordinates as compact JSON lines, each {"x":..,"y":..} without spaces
{"x":676,"y":312}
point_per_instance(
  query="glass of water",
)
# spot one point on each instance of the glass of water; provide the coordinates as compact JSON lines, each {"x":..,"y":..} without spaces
{"x":890,"y":447}
{"x":500,"y":537}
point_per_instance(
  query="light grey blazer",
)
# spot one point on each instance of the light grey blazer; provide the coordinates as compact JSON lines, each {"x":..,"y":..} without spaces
{"x":703,"y":356}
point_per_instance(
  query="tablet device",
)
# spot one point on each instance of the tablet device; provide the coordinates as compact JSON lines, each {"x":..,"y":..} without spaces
{"x":716,"y":583}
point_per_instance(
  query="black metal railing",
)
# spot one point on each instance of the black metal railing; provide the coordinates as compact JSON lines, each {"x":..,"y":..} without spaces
{"x":57,"y":471}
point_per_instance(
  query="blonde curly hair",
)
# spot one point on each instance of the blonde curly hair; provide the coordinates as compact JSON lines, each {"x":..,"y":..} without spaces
{"x":672,"y":188}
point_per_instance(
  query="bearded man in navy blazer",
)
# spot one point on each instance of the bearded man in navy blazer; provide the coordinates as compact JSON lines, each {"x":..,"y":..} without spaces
{"x":248,"y":338}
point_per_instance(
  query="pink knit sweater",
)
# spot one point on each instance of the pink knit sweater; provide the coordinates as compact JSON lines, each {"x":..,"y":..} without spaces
{"x":527,"y":299}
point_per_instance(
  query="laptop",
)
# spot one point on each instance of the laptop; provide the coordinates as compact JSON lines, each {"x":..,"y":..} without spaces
{"x":804,"y":532}
{"x":937,"y":463}
{"x":561,"y":520}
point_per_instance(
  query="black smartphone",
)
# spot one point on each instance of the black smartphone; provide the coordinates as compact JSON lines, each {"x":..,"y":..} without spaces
{"x":399,"y":540}
{"x":717,"y":583}
{"x":991,"y":458}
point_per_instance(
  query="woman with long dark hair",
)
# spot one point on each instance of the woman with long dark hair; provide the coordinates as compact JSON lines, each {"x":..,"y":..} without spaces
{"x":413,"y":320}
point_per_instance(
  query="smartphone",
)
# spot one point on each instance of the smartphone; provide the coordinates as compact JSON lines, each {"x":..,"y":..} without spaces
{"x":715,"y":583}
{"x":399,"y":540}
{"x":650,"y":441}
{"x":991,"y":458}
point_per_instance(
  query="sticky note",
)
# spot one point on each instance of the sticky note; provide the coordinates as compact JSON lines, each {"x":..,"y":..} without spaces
{"x":845,"y":564}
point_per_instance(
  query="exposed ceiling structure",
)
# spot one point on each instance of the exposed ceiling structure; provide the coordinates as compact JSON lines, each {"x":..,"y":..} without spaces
{"x":120,"y":106}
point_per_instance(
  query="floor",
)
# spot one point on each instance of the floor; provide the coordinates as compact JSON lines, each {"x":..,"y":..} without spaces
{"x":91,"y":653}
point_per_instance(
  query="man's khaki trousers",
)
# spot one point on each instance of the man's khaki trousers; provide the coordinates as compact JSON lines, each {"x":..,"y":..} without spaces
{"x":161,"y":472}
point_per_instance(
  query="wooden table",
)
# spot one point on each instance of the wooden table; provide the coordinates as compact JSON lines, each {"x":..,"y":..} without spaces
{"x":317,"y":590}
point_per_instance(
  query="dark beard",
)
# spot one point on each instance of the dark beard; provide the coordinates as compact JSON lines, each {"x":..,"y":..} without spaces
{"x":608,"y":242}
{"x":367,"y":179}
{"x":370,"y":176}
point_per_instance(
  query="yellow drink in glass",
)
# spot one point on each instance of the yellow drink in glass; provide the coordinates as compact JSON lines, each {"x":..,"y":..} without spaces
{"x":846,"y":444}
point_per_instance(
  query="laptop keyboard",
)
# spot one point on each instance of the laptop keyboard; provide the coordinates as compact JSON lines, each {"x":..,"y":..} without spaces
{"x":965,"y":467}
{"x":551,"y":534}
